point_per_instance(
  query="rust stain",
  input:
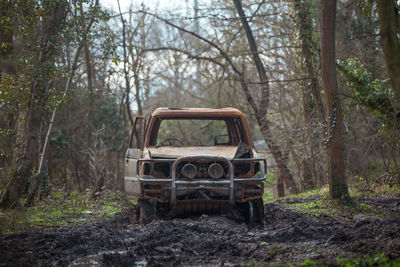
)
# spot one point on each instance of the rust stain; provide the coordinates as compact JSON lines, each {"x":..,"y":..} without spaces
{"x":197,"y":112}
{"x":184,"y":151}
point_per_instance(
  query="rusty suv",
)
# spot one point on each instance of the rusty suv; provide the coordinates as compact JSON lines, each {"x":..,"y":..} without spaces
{"x":194,"y":160}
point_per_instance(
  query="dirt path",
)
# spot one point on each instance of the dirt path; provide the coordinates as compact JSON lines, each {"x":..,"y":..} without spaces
{"x":212,"y":240}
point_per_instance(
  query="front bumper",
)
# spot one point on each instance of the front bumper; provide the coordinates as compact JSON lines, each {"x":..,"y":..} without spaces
{"x":229,"y":190}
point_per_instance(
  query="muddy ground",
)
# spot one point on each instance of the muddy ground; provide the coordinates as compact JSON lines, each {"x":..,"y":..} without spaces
{"x":286,"y":236}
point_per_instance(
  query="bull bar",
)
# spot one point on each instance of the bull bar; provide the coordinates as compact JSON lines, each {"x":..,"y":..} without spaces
{"x":229,"y":163}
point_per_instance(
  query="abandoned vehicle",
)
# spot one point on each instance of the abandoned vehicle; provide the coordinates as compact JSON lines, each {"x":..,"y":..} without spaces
{"x":194,"y":160}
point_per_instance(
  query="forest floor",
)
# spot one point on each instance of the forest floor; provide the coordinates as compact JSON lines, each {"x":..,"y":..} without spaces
{"x":297,"y":231}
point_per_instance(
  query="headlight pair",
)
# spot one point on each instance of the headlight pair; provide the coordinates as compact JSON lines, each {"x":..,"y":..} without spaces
{"x":215,"y":170}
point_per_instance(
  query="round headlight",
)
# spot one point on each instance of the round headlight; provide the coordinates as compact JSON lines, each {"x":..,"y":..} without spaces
{"x":216,"y":170}
{"x":189,"y":170}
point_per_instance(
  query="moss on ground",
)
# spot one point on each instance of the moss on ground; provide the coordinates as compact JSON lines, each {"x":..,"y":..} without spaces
{"x":324,"y":206}
{"x":61,"y":209}
{"x":327,"y":207}
{"x":378,"y":260}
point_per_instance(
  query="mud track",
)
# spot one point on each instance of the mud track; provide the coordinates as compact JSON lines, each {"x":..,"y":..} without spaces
{"x":212,"y":240}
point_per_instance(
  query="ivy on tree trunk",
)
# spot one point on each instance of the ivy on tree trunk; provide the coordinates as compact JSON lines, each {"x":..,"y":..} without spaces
{"x":337,"y":180}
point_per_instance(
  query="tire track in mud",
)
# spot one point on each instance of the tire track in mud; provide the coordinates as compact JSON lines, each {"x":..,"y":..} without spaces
{"x":211,"y":240}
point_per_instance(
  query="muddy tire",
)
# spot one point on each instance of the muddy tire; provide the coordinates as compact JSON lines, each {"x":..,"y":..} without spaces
{"x":145,"y":212}
{"x":253,"y":211}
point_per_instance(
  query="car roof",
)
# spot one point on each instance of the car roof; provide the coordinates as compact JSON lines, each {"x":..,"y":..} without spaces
{"x":196,"y":112}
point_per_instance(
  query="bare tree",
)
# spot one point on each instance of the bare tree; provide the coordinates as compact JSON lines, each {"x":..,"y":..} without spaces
{"x":126,"y":67}
{"x":261,"y":109}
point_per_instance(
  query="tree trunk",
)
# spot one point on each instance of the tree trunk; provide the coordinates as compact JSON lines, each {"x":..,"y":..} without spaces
{"x":337,"y":180}
{"x":389,"y":20}
{"x":262,"y":109}
{"x":91,"y":95}
{"x":306,"y":177}
{"x":26,"y":158}
{"x":305,"y":27}
{"x":311,"y":96}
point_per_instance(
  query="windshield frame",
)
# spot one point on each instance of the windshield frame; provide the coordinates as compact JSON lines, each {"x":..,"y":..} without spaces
{"x":236,"y":128}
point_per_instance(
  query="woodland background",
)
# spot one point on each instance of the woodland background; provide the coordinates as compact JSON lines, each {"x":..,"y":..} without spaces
{"x":99,"y":68}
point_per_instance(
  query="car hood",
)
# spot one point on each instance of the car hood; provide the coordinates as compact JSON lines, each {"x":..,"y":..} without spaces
{"x":177,"y":152}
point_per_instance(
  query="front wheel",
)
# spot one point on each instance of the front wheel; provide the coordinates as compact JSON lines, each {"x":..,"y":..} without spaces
{"x":146,"y":211}
{"x":253,"y":211}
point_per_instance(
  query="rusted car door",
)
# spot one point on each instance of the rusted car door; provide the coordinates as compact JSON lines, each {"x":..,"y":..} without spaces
{"x":133,"y":153}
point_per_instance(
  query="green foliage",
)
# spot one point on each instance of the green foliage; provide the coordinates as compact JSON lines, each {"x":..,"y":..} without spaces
{"x":378,"y":260}
{"x":31,"y":71}
{"x":41,"y":58}
{"x":375,"y":94}
{"x":302,"y":13}
{"x":327,"y":207}
{"x":268,"y":196}
{"x":308,"y":263}
{"x":314,"y":208}
{"x":99,"y":29}
{"x":306,"y":37}
{"x":59,"y":141}
{"x":13,"y":91}
{"x":272,"y":177}
{"x":271,"y":180}
{"x":367,"y":6}
{"x":375,"y":186}
{"x":377,"y":179}
{"x":61,"y":209}
{"x":322,"y":191}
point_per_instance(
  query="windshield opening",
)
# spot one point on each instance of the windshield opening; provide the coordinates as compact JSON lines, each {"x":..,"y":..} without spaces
{"x":196,"y":132}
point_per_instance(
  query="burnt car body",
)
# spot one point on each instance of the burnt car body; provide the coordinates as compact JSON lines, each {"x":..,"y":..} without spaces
{"x":215,"y":167}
